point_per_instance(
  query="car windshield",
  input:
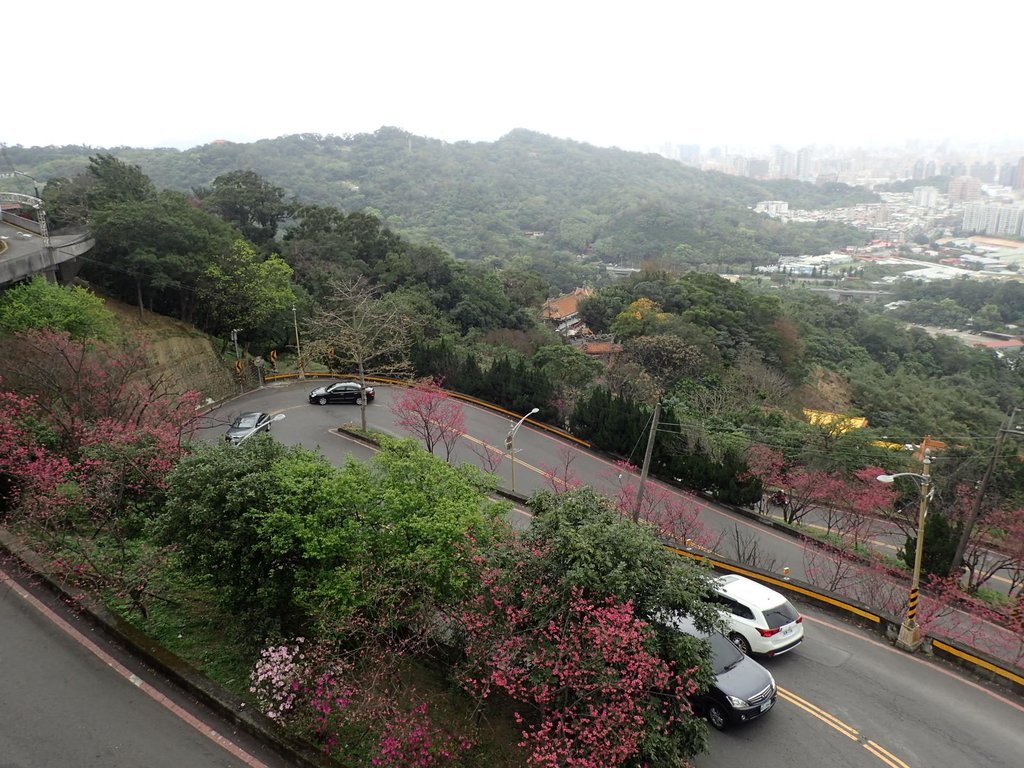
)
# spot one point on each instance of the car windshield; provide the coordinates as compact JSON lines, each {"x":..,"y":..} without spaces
{"x":248,"y":421}
{"x":724,"y":655}
{"x":781,"y":615}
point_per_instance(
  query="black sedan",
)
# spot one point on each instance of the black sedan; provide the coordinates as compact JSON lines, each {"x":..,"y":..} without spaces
{"x":340,"y":392}
{"x":247,"y":424}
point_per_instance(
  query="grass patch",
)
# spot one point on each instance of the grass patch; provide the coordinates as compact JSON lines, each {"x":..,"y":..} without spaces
{"x":186,"y":620}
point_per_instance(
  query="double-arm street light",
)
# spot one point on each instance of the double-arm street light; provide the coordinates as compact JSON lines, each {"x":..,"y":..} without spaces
{"x":910,"y":632}
{"x":510,"y":443}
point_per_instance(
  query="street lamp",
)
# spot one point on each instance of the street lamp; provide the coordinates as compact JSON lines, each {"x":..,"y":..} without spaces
{"x":298,"y":347}
{"x":510,"y":443}
{"x":910,"y":632}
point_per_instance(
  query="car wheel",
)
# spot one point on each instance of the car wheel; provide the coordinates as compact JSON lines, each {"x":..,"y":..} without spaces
{"x":322,"y":400}
{"x":740,"y":642}
{"x":359,"y":400}
{"x":716,"y":716}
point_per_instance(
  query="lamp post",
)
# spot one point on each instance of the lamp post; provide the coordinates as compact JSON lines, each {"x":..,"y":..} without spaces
{"x":910,"y":632}
{"x":298,"y":347}
{"x":510,"y":443}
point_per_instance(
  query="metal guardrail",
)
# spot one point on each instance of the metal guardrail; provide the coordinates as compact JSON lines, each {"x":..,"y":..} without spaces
{"x":971,"y":659}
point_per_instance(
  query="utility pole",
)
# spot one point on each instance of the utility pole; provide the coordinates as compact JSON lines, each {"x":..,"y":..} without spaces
{"x":972,"y":517}
{"x":647,"y":462}
{"x":910,"y":631}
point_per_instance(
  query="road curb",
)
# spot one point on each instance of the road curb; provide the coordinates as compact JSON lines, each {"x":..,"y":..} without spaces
{"x":186,"y":677}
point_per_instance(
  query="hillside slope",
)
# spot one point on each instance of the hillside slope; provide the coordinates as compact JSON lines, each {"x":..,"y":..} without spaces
{"x":526,"y":193}
{"x":185,"y":356}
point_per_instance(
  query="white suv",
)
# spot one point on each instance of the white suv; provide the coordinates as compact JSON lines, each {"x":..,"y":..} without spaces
{"x":760,"y":620}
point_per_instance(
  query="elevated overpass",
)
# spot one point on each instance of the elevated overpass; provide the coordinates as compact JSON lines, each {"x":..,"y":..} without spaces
{"x":28,"y":249}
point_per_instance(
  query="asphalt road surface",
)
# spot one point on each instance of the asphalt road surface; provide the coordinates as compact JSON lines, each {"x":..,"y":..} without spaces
{"x":70,"y":699}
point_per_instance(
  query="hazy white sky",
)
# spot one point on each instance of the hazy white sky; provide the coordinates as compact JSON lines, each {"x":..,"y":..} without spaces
{"x":631,"y":74}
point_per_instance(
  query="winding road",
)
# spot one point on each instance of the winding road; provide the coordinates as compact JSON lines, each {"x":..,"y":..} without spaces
{"x":847,"y":700}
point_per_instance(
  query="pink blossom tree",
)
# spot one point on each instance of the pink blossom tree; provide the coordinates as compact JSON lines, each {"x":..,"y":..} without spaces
{"x":87,"y":455}
{"x":431,"y":415}
{"x":561,"y":478}
{"x":562,"y":623}
{"x":996,"y":546}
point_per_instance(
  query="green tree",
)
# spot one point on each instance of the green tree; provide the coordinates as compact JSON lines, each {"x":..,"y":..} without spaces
{"x":244,"y":290}
{"x":153,"y":251}
{"x":290,"y":541}
{"x":39,"y":304}
{"x":665,"y":358}
{"x":249,"y":202}
{"x":940,"y":540}
{"x":569,"y":370}
{"x":116,"y":182}
{"x":233,"y":515}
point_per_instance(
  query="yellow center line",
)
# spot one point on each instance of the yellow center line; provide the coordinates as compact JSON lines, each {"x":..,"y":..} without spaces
{"x":848,"y":731}
{"x":884,"y":755}
{"x":825,"y":717}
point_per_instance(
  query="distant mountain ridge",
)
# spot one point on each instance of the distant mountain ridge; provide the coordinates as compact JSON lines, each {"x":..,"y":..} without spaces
{"x":525,"y":193}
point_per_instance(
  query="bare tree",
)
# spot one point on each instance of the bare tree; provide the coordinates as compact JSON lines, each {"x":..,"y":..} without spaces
{"x":746,"y":550}
{"x":362,"y":328}
{"x":490,"y":457}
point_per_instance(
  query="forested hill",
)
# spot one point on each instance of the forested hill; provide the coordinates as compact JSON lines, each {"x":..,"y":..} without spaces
{"x":525,"y":193}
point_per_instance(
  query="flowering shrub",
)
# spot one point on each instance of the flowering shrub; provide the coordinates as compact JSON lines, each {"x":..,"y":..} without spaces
{"x":277,"y":679}
{"x":318,"y":694}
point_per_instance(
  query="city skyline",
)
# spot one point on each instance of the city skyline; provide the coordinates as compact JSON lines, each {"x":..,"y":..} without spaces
{"x":744,"y":77}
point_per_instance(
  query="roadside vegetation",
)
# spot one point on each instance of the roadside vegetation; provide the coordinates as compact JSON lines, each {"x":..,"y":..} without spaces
{"x":385,"y":610}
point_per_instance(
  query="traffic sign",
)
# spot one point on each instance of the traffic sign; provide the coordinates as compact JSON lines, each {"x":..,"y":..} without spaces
{"x":238,"y":366}
{"x":273,"y":356}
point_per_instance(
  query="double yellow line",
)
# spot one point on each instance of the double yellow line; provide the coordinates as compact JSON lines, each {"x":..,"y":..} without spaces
{"x":849,"y":732}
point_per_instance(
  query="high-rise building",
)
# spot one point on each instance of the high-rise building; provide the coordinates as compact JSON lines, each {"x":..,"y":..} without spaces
{"x":1018,"y":183}
{"x":926,"y":197}
{"x":688,"y":153}
{"x":805,"y":163}
{"x":1008,"y":175}
{"x":964,"y":189}
{"x":785,"y":163}
{"x":984,"y":171}
{"x":992,"y":219}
